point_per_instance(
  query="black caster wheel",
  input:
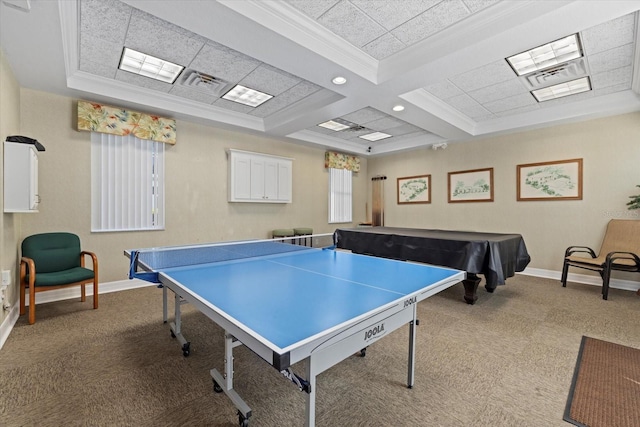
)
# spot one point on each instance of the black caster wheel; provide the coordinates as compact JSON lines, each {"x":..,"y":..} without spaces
{"x":216,"y":387}
{"x":363,"y":352}
{"x":186,"y":351}
{"x":242,"y":421}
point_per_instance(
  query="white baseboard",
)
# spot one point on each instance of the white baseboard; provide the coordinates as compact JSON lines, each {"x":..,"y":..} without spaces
{"x":8,"y":322}
{"x":627,"y":285}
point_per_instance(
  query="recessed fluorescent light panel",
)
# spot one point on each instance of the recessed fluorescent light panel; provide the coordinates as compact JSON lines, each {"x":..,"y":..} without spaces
{"x":149,"y":66}
{"x":563,"y":89}
{"x":247,"y":96}
{"x":375,"y":136}
{"x":333,"y":125}
{"x":547,"y":55}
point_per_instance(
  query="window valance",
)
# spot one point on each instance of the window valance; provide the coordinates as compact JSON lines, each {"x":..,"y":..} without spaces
{"x":118,"y":121}
{"x":341,"y":161}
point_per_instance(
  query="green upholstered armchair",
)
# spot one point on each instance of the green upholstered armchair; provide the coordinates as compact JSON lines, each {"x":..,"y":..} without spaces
{"x":53,"y":261}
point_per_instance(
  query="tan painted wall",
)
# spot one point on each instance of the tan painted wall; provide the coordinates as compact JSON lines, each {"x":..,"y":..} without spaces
{"x":610,"y":148}
{"x":9,"y":125}
{"x":196,"y":186}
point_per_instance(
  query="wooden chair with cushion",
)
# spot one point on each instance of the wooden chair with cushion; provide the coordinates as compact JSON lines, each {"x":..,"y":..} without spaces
{"x":54,"y":261}
{"x":620,"y":250}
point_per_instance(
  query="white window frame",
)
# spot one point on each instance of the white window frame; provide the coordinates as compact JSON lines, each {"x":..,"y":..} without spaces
{"x":340,"y":195}
{"x":127,"y":183}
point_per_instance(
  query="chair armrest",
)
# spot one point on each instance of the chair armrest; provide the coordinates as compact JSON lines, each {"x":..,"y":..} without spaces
{"x":612,"y":256}
{"x":27,"y":265}
{"x":94,"y":259}
{"x":576,"y":249}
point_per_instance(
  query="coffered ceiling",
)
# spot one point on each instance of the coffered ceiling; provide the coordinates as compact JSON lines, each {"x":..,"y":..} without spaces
{"x":442,"y":60}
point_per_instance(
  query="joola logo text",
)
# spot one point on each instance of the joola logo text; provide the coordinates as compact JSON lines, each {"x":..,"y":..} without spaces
{"x":376,"y":330}
{"x":410,"y":301}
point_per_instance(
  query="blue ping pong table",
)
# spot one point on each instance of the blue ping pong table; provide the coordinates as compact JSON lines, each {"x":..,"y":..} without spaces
{"x":289,"y":303}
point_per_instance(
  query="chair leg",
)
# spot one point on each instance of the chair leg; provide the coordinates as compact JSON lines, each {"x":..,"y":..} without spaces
{"x":22,"y":299}
{"x":606,"y":277}
{"x":95,"y":293}
{"x":83,"y":294}
{"x":565,"y":272}
{"x":32,"y":305}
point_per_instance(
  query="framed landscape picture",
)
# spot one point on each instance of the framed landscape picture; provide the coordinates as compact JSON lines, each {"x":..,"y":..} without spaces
{"x":558,"y":180}
{"x":414,"y":189}
{"x":471,"y":186}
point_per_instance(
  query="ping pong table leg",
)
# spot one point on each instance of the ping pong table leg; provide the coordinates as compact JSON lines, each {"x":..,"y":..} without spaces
{"x":176,"y":327}
{"x":224,"y":383}
{"x":412,"y":348}
{"x":311,"y":394}
{"x":164,"y":304}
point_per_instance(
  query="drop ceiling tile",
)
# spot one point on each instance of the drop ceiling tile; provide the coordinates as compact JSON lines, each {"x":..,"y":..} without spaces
{"x":193,"y":94}
{"x":224,"y":63}
{"x":270,"y":80}
{"x":611,"y":59}
{"x":107,"y":20}
{"x":381,"y":125}
{"x":290,"y":97}
{"x":142,"y":81}
{"x":612,"y":77}
{"x":510,"y":103}
{"x":161,"y":39}
{"x":477,"y":5}
{"x":168,"y":26}
{"x":467,"y":106}
{"x":314,"y":8}
{"x":430,"y":22}
{"x":383,"y":47}
{"x":364,"y":115}
{"x":390,"y":14}
{"x":487,"y":75}
{"x":444,"y":90}
{"x":498,"y":91}
{"x":611,"y":89}
{"x":100,"y":51}
{"x":608,"y":35}
{"x":351,"y":23}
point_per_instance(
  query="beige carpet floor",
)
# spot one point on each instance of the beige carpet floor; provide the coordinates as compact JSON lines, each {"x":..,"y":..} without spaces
{"x":508,"y":360}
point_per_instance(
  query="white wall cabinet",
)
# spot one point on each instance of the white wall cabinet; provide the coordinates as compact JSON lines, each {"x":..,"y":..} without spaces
{"x":259,"y":178}
{"x":20,"y":178}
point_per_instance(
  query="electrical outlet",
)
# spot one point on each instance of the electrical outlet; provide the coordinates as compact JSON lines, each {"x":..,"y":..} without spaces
{"x":6,"y":277}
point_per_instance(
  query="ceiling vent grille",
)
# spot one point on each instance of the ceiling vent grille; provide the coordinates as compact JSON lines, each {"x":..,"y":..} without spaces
{"x":558,"y":73}
{"x":355,"y":128}
{"x":204,"y":82}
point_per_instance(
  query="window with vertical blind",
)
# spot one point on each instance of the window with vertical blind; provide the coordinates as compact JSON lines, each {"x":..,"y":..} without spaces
{"x":340,"y":195}
{"x":127,"y":183}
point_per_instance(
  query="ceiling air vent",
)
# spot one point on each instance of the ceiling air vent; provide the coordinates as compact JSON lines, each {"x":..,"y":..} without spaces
{"x":558,"y":73}
{"x":355,"y":128}
{"x":204,"y":82}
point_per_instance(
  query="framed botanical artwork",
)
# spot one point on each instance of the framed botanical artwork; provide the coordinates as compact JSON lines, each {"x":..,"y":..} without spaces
{"x":558,"y":180}
{"x":471,"y":186}
{"x":414,"y":189}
